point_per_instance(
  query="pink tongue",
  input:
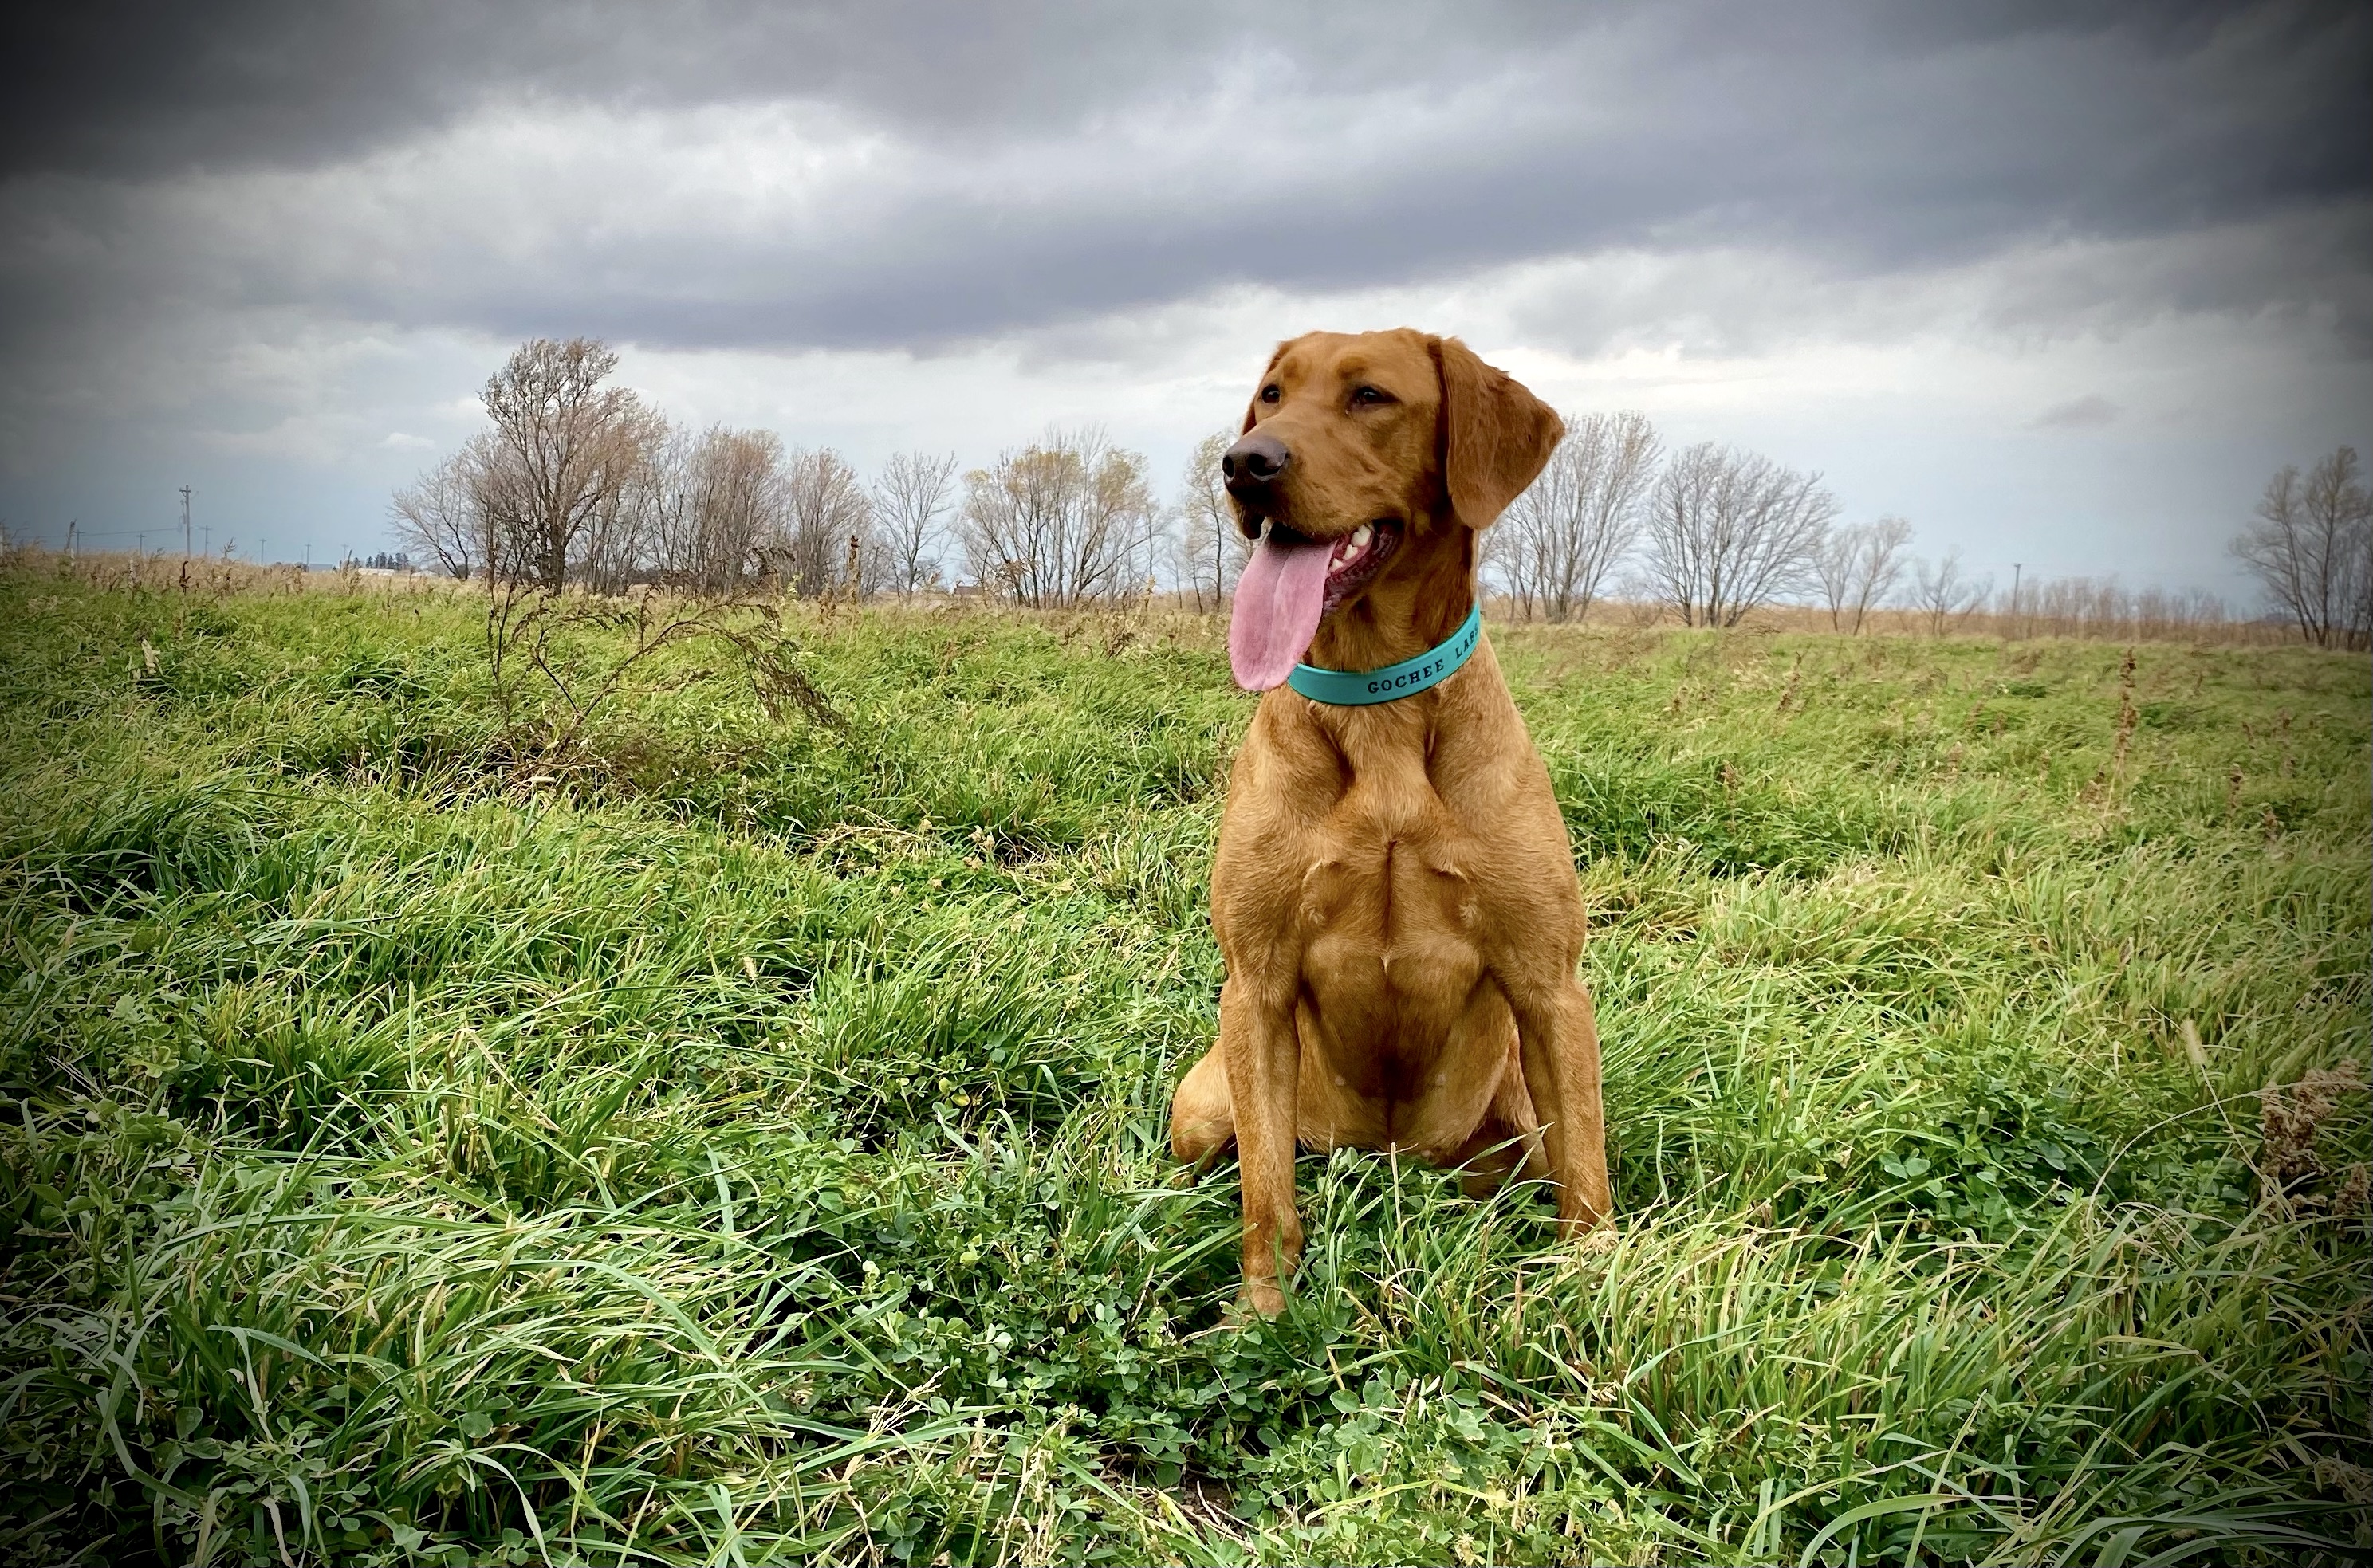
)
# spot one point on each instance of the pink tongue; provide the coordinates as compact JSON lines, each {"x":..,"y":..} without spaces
{"x":1279,"y":601}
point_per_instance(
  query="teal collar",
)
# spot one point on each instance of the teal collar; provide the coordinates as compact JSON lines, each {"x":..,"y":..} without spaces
{"x":1357,"y":689}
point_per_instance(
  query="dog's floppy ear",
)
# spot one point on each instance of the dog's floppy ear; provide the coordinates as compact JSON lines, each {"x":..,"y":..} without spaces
{"x":1494,"y":436}
{"x":1252,"y":408}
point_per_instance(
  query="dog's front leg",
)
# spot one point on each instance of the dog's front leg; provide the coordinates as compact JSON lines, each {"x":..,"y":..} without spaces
{"x":1558,"y":1037}
{"x":1263,"y":1055}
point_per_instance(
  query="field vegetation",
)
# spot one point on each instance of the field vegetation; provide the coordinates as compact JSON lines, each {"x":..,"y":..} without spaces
{"x":448,"y":1121}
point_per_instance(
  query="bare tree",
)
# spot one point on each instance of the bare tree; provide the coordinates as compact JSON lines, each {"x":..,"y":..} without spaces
{"x":2070,"y":607}
{"x":1210,"y":548}
{"x":911,"y":500}
{"x":2086,"y":607}
{"x":1945,"y":594}
{"x":674,"y":527}
{"x":1061,"y":521}
{"x":1833,"y":571}
{"x":2334,"y":491}
{"x":1729,"y":531}
{"x":723,"y":499}
{"x":2311,"y":545}
{"x":1857,"y":567}
{"x":826,"y":508}
{"x":563,"y":451}
{"x":1556,"y":545}
{"x":438,"y":517}
{"x":1155,"y":540}
{"x":613,"y":549}
{"x":2160,"y":616}
{"x":2101,"y":607}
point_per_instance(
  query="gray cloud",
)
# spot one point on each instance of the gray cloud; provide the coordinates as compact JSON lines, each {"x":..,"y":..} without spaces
{"x":155,"y":86}
{"x":272,"y":244}
{"x":916,"y":175}
{"x":2088,"y":412}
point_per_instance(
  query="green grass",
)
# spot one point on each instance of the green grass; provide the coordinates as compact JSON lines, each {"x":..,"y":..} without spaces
{"x":743,"y":1139}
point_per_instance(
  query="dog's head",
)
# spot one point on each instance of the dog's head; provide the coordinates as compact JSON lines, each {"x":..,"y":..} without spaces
{"x":1352,"y":444}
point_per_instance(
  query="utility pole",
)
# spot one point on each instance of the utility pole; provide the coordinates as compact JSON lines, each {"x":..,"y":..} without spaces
{"x":206,"y":537}
{"x":2016,"y":614}
{"x":185,"y":522}
{"x":72,"y":523}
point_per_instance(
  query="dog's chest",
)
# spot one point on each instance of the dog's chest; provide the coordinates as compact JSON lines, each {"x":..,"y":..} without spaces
{"x":1387,"y":916}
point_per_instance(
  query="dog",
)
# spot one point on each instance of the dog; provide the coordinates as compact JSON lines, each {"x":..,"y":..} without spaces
{"x":1395,"y":895}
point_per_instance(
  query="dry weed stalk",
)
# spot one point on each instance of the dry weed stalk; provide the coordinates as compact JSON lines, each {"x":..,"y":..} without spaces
{"x":2352,"y":1481}
{"x":521,"y":622}
{"x":2127,"y":715}
{"x":2288,"y":1119}
{"x":2348,"y":1200}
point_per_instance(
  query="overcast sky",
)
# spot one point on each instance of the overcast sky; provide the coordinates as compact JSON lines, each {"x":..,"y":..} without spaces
{"x":2062,"y":283}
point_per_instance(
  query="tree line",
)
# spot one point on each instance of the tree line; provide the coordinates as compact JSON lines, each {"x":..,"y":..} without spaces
{"x":577,"y":482}
{"x":1711,"y":534}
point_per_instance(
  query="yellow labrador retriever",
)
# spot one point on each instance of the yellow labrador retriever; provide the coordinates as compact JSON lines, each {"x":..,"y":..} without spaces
{"x":1395,"y":895}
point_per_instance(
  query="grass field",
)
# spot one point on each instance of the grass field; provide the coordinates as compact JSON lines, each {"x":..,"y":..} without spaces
{"x":738,"y":1136}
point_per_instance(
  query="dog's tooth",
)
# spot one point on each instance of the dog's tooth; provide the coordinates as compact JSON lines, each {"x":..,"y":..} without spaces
{"x":1359,"y":536}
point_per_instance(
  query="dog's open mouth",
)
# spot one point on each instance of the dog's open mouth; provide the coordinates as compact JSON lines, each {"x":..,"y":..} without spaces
{"x":1358,"y":556}
{"x":1291,"y":585}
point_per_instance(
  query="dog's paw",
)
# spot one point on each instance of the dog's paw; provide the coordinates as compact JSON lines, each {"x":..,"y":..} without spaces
{"x":1256,"y":1299}
{"x":1587,"y":1236}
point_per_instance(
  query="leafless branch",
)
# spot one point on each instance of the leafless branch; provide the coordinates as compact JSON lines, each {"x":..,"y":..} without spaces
{"x":1729,"y":531}
{"x":1061,"y":522}
{"x":912,"y":500}
{"x":2311,"y":546}
{"x":1556,"y":545}
{"x":1858,"y":568}
{"x":1211,"y":548}
{"x":1945,"y":594}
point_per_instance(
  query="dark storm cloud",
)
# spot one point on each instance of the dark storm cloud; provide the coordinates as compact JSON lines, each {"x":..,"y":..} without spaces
{"x":1036,"y":164}
{"x":152,"y":87}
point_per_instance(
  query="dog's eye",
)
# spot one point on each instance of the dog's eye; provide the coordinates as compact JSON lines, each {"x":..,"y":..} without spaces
{"x":1368,"y":396}
{"x":1269,"y":393}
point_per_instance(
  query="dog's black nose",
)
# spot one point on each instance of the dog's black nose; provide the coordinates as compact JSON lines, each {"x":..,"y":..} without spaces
{"x":1253,"y":464}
